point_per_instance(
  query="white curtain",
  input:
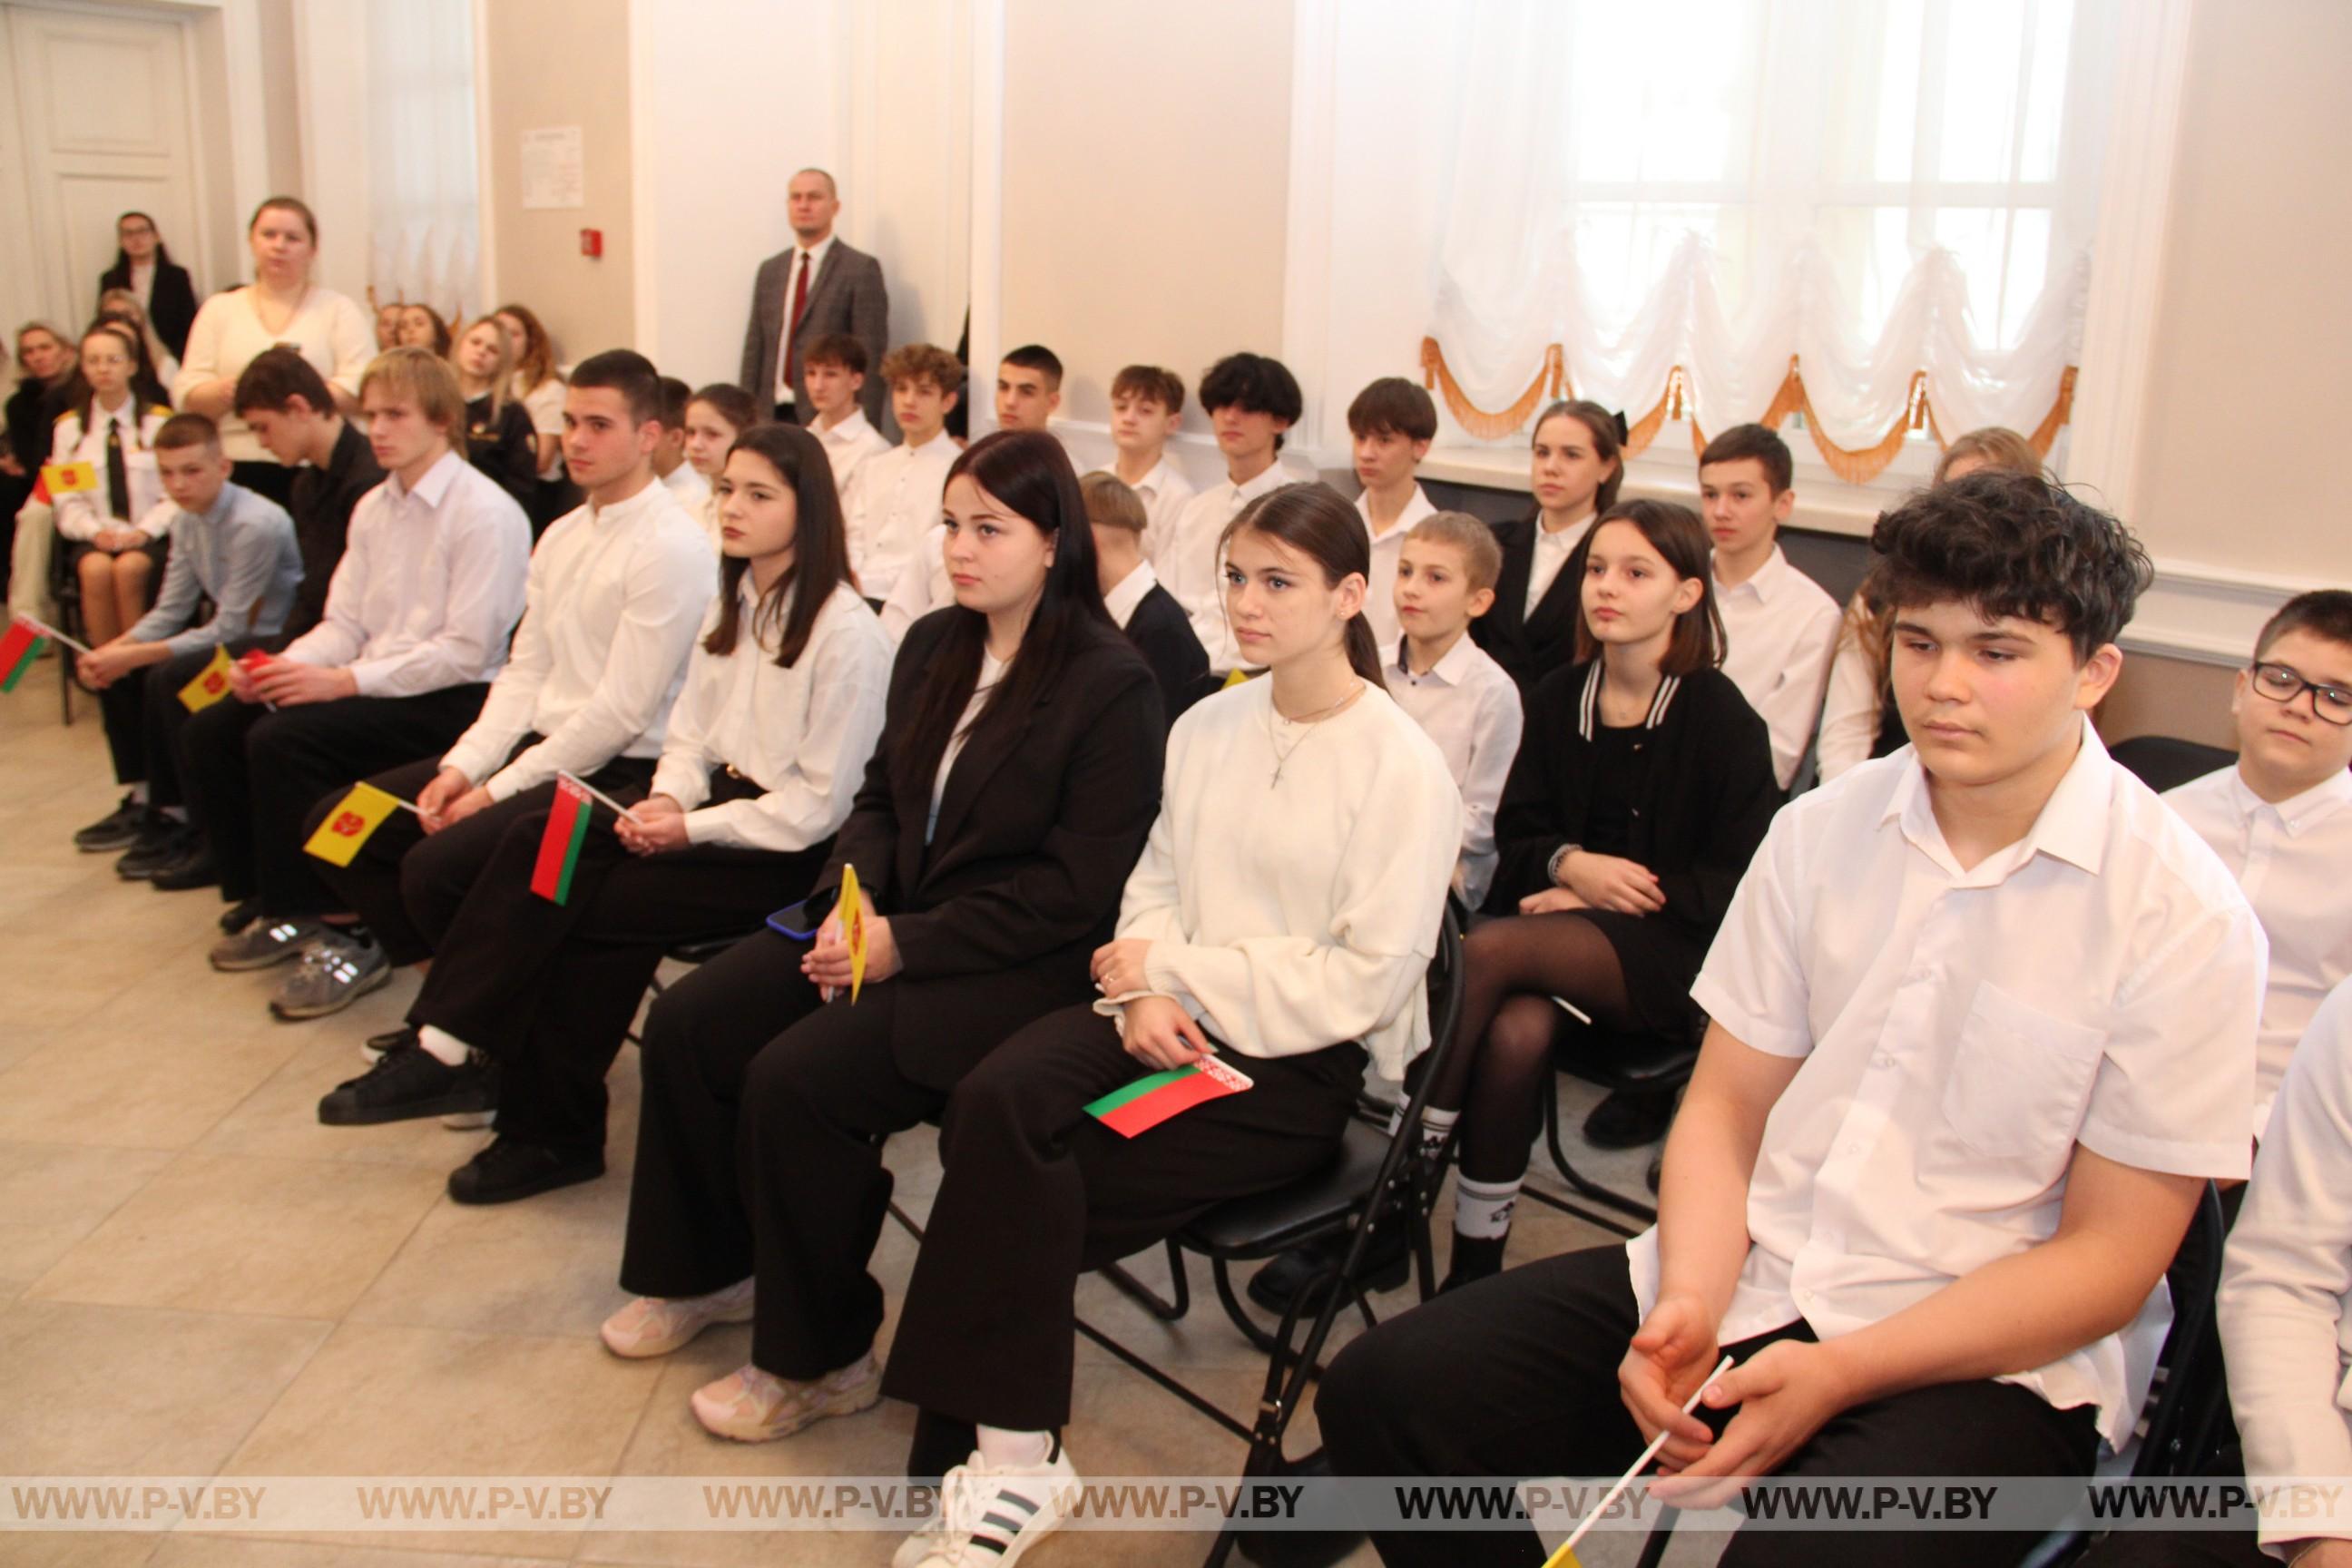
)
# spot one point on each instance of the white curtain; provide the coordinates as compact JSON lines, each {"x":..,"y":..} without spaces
{"x":1877,"y":187}
{"x":422,"y":190}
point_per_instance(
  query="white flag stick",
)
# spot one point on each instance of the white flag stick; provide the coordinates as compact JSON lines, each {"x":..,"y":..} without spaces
{"x":598,"y":795}
{"x":1613,"y":1493}
{"x":54,"y":635}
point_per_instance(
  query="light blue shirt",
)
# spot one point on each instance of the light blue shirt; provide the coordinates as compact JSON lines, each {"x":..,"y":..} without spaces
{"x":240,"y":553}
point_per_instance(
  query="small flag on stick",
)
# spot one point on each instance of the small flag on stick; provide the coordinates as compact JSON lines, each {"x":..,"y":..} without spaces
{"x":1565,"y":1556}
{"x":852,"y":929}
{"x":210,"y":685}
{"x":354,"y":819}
{"x":558,"y":846}
{"x":18,"y":649}
{"x":1148,"y":1102}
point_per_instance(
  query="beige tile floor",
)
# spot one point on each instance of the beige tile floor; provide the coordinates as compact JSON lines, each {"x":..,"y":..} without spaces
{"x":195,"y":1278}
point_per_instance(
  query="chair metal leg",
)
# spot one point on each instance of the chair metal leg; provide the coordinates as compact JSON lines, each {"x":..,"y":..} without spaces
{"x":1152,"y":1301}
{"x":1643,"y":1212}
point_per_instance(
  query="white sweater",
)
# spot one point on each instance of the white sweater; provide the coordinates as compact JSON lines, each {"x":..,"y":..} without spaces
{"x":1290,"y":916}
{"x":332,"y":333}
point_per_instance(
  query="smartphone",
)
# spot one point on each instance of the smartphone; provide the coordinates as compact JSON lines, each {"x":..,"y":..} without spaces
{"x":802,"y":921}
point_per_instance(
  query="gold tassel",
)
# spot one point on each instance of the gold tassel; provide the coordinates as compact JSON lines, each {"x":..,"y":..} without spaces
{"x":2045,"y":435}
{"x":1479,"y":422}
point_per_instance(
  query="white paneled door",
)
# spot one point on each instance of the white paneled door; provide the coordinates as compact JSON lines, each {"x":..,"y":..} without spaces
{"x":101,"y":126}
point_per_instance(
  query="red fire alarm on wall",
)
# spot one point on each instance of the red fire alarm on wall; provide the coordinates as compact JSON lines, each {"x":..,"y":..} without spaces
{"x":591,"y":242}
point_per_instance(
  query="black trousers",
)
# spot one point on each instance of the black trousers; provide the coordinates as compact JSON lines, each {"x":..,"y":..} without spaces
{"x":2178,"y":1549}
{"x":163,"y":718}
{"x":718,"y":1191}
{"x":1037,"y":1192}
{"x":1516,"y":1376}
{"x":252,"y":777}
{"x":123,"y":711}
{"x":407,"y":885}
{"x":549,"y":989}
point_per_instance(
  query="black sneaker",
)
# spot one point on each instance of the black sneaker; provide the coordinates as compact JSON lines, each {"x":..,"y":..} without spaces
{"x":164,"y":843}
{"x":407,"y":1084}
{"x":195,"y":868}
{"x":239,"y":915}
{"x":1627,"y":1120}
{"x":118,"y":829}
{"x":508,"y":1169}
{"x":1388,"y":1263}
{"x":374,"y":1046}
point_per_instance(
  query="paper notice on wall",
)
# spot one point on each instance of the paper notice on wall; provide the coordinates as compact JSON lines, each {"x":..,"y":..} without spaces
{"x":552,"y":175}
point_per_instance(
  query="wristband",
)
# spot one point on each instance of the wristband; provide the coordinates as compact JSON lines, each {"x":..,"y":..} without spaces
{"x":1558,"y":858}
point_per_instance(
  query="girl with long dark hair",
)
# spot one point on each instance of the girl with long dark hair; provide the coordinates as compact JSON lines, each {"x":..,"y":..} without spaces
{"x":143,"y":269}
{"x":1576,"y":464}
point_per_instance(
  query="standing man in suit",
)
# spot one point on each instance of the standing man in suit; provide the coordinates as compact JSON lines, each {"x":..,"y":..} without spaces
{"x":818,"y":286}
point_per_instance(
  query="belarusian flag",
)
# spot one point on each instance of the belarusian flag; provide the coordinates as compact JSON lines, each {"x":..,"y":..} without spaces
{"x":210,"y":685}
{"x":355,"y":817}
{"x":18,"y":649}
{"x":558,"y":846}
{"x":1148,"y":1102}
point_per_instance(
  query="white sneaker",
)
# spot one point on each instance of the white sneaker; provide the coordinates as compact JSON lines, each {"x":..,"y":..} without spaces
{"x":989,"y":1517}
{"x":652,"y":1326}
{"x":748,"y":1406}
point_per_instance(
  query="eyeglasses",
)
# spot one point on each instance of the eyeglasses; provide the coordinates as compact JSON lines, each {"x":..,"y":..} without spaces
{"x":2283,"y":683}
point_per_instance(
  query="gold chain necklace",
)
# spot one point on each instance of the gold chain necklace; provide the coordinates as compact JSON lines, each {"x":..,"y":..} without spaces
{"x":1281,"y":757}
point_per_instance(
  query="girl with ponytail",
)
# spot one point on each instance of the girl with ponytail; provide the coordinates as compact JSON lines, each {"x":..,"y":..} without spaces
{"x":1280,"y":921}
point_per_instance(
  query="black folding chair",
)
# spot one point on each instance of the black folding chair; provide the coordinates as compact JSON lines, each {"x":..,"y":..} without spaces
{"x":2163,"y":763}
{"x":1618,"y":1064}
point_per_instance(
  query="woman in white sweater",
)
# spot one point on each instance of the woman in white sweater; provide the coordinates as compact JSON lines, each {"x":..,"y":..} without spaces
{"x":280,"y":306}
{"x":1281,"y":919}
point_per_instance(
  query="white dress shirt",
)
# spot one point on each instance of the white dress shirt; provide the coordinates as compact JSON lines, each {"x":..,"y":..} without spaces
{"x":1129,"y":591}
{"x":846,"y":447}
{"x":1163,"y":491}
{"x":991,"y":671}
{"x":922,"y":586}
{"x":2286,"y":1276}
{"x":1851,"y":708}
{"x":1388,"y":549}
{"x":81,"y":515}
{"x":429,"y":587}
{"x":815,"y":254}
{"x":1470,"y":707}
{"x":544,"y":404}
{"x":1552,"y":553}
{"x":1780,"y":630}
{"x":1192,"y":568}
{"x":2294,"y":860}
{"x":615,"y":597}
{"x":898,"y":497}
{"x":142,"y":283}
{"x":1285,"y":916}
{"x":692,"y":490}
{"x":2096,"y":982}
{"x":802,"y":734}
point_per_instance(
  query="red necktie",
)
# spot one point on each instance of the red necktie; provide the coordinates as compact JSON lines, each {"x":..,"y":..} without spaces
{"x":799,"y":309}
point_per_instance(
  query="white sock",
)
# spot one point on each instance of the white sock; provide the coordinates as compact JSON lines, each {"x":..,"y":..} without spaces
{"x":445,"y":1047}
{"x":139,"y":793}
{"x":1482,"y":1210}
{"x":1000,"y":1449}
{"x":1436,"y":1126}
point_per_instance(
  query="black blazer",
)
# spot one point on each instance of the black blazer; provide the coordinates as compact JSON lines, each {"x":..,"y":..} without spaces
{"x":1702,"y":795}
{"x":997,"y":918}
{"x":1164,"y":634}
{"x":505,"y":448}
{"x":171,"y":303}
{"x":1528,"y":648}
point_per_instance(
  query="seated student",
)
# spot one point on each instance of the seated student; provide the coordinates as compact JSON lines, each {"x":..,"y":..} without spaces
{"x":1281,"y":919}
{"x":1576,"y":468}
{"x":499,"y":437}
{"x":285,"y":402}
{"x":420,"y":327}
{"x":614,"y":595}
{"x":387,"y":323}
{"x":158,"y":366}
{"x":671,"y":467}
{"x":897,"y":491}
{"x":1153,"y":621}
{"x":715,"y":417}
{"x":539,"y":387}
{"x":1780,"y":629}
{"x":1147,"y":404}
{"x":781,"y":709}
{"x":1251,"y":401}
{"x":1932,"y":1167}
{"x":835,"y":368}
{"x":1028,"y":388}
{"x":2281,"y":816}
{"x":1392,"y":422}
{"x":1858,"y":717}
{"x":228,"y":545}
{"x":416,"y":624}
{"x":1017,"y":774}
{"x":114,"y":536}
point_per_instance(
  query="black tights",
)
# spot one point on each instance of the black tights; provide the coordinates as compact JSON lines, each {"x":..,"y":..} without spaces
{"x":1511,"y":970}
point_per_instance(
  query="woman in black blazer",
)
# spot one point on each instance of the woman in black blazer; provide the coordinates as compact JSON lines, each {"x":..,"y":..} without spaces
{"x":1642,"y":790}
{"x":171,"y":297}
{"x":1018,"y":773}
{"x":1575,"y":468}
